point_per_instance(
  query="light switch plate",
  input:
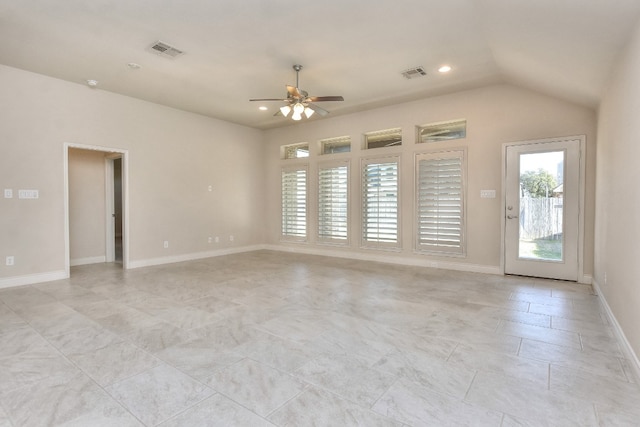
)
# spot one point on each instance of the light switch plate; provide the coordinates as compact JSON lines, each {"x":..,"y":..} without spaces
{"x":8,"y":193}
{"x":28,"y":194}
{"x":487,"y":194}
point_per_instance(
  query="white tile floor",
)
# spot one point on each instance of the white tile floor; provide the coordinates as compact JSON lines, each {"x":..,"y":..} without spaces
{"x":267,"y":338}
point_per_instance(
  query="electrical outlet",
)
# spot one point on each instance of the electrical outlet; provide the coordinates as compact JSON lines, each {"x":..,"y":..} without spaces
{"x":8,"y":193}
{"x":10,"y":260}
{"x":209,"y":240}
{"x":217,"y":239}
{"x":210,"y":188}
{"x":231,"y":238}
{"x":166,"y":244}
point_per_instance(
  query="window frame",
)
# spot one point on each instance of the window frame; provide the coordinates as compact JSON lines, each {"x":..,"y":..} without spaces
{"x":331,"y":240}
{"x":461,"y":250}
{"x":292,"y":237}
{"x":370,"y":244}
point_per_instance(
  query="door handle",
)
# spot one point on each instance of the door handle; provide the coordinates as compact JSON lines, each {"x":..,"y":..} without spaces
{"x":512,"y":216}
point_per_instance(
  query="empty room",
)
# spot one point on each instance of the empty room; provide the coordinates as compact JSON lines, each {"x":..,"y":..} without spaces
{"x":338,"y":213}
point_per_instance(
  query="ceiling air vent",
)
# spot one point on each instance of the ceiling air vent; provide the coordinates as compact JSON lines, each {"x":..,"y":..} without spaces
{"x":414,"y":73}
{"x":164,"y":49}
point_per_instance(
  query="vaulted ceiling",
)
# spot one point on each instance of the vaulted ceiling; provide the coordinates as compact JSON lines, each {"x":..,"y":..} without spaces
{"x":237,"y":50}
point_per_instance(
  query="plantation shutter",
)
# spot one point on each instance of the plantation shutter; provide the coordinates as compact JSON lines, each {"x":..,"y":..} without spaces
{"x":333,"y":197}
{"x":440,"y":204}
{"x":380,"y":202}
{"x":294,"y":203}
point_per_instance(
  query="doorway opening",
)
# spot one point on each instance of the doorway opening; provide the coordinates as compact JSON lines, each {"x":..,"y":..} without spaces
{"x":96,"y":205}
{"x":114,"y":208}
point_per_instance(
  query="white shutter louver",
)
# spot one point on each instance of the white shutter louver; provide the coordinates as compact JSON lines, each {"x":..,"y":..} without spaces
{"x":440,"y":204}
{"x":294,"y":203}
{"x":380,"y":203}
{"x":333,"y":198}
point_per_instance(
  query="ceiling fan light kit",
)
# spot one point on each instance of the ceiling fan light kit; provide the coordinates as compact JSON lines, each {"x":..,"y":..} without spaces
{"x":299,"y":102}
{"x":285,"y":110}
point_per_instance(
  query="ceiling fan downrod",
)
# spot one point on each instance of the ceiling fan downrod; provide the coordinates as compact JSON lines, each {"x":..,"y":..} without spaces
{"x":297,"y":67}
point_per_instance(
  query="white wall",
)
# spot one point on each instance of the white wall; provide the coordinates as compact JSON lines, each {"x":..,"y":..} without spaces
{"x":87,"y":206}
{"x":617,"y":242}
{"x":173,"y":157}
{"x":495,"y":115}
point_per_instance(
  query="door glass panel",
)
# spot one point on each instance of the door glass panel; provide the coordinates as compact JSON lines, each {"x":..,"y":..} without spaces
{"x":541,"y":207}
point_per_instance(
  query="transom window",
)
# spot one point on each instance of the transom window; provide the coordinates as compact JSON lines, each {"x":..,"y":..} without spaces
{"x":383,"y":138}
{"x":341,"y":144}
{"x":295,"y":151}
{"x":442,"y":131}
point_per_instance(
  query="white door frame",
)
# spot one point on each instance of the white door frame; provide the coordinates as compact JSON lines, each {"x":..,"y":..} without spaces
{"x":581,"y":196}
{"x":115,"y":152}
{"x":110,"y":231}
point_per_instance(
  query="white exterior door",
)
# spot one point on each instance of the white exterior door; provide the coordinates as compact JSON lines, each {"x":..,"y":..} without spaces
{"x":542,"y":209}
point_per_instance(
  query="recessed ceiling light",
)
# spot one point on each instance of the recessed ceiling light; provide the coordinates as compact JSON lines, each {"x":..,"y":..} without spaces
{"x":444,"y":69}
{"x":262,"y":108}
{"x":133,"y":66}
{"x":92,"y":83}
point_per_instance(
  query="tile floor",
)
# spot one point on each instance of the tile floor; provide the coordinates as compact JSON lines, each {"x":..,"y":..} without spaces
{"x":267,"y":338}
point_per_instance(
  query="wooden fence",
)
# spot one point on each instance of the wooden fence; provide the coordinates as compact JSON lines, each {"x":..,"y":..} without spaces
{"x":541,"y":218}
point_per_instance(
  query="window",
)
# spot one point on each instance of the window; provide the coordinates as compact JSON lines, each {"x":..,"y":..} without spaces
{"x":440,"y":205}
{"x":295,"y":151}
{"x":294,"y":203}
{"x":443,"y":131}
{"x":333,"y":198}
{"x":380,"y":202}
{"x":383,"y":138}
{"x":341,"y":144}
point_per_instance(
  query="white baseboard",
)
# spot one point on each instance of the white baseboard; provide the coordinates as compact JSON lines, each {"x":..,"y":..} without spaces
{"x":192,"y":256}
{"x":414,"y":262}
{"x":30,"y":279}
{"x":89,"y":260}
{"x":627,"y":350}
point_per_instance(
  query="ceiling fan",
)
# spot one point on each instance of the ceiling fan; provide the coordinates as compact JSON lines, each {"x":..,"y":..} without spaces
{"x":299,"y":102}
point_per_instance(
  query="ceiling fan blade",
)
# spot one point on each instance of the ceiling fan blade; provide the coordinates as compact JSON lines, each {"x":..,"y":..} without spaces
{"x":294,"y":92}
{"x":270,"y":99}
{"x":318,"y":110}
{"x":324,"y":98}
